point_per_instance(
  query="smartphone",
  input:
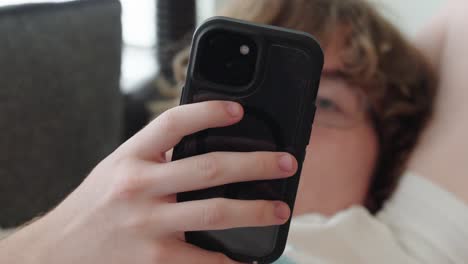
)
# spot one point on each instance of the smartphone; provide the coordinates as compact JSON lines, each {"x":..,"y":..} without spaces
{"x":274,"y":73}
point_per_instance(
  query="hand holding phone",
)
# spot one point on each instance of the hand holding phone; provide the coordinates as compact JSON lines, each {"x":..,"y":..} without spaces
{"x":126,"y":210}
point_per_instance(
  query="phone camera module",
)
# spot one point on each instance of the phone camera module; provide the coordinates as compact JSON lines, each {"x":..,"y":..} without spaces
{"x":227,"y":58}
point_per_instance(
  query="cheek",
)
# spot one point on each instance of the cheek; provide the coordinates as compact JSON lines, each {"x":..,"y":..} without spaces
{"x":352,"y":151}
{"x":337,"y":169}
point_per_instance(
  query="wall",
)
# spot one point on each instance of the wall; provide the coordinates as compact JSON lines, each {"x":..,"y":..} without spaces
{"x":409,"y":15}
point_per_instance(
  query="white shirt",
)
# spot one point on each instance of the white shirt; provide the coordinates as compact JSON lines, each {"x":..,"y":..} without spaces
{"x":422,"y":223}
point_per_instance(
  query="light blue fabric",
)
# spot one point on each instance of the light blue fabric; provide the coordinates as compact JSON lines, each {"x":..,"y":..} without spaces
{"x":284,"y":260}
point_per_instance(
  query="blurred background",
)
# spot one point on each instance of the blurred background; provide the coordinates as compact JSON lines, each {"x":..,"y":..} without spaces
{"x":78,"y":77}
{"x":139,"y":29}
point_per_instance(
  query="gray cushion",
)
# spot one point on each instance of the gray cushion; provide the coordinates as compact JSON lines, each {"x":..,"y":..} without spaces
{"x":60,"y":102}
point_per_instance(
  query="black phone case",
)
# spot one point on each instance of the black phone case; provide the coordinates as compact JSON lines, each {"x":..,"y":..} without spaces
{"x":279,"y":110}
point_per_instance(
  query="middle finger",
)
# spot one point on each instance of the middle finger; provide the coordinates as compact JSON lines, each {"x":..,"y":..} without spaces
{"x":215,"y":169}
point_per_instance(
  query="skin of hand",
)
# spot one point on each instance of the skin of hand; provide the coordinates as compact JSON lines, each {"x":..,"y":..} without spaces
{"x":126,"y":210}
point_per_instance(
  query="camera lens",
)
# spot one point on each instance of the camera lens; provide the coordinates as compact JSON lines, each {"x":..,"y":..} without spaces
{"x":227,"y":58}
{"x":245,"y":50}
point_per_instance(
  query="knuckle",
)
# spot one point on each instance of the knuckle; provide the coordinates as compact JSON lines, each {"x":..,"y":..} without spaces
{"x":167,"y":121}
{"x":262,"y":212}
{"x":135,"y":223}
{"x":261,"y":163}
{"x":220,"y":107}
{"x":208,"y":167}
{"x":128,"y":181}
{"x":160,"y":254}
{"x":213,"y":215}
{"x":215,"y":106}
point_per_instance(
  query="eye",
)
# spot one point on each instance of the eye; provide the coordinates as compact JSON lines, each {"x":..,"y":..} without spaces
{"x":326,"y":104}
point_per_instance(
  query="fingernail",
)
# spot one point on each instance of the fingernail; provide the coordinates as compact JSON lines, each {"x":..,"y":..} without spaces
{"x":281,"y":211}
{"x":234,"y":109}
{"x":286,"y":163}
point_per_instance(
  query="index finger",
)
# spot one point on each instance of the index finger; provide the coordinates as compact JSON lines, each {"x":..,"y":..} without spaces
{"x":169,"y":128}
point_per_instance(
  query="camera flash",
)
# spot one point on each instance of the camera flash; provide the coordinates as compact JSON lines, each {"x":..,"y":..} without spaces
{"x":244,"y":50}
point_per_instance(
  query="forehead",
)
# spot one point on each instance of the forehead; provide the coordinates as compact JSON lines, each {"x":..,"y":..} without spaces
{"x":333,"y":49}
{"x":333,"y":66}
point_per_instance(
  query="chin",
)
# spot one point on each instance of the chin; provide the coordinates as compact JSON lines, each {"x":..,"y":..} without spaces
{"x":325,"y":209}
